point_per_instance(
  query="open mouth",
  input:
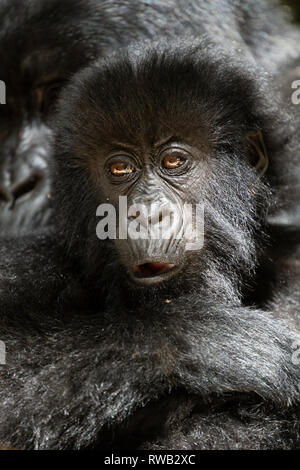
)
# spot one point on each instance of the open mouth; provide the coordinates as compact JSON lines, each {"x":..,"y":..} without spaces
{"x":150,"y":270}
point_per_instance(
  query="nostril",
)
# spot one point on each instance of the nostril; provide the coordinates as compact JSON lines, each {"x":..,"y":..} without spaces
{"x":4,"y":196}
{"x":26,"y":186}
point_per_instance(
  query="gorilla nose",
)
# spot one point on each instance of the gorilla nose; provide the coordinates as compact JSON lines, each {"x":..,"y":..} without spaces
{"x":22,"y":188}
{"x":151,"y":269}
{"x":26,"y":186}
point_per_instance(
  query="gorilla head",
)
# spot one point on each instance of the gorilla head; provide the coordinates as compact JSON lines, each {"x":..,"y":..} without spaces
{"x":181,"y":128}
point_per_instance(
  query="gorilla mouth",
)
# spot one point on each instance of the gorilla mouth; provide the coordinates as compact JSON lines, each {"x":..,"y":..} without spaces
{"x":148,"y":270}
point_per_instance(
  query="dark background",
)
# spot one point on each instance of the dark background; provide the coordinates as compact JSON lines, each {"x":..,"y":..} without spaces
{"x":295,"y":4}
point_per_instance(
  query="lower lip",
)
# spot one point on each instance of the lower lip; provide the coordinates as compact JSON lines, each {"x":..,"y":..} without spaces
{"x":156,"y":278}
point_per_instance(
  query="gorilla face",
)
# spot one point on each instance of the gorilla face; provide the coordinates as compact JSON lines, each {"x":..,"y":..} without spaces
{"x":40,"y":48}
{"x":149,"y":181}
{"x":41,"y":45}
{"x":32,"y":95}
{"x":157,"y":132}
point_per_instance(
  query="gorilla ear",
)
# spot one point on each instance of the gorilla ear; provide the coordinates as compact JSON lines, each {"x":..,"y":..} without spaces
{"x":258,"y":151}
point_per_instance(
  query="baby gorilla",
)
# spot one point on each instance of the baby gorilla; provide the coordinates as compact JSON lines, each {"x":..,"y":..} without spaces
{"x":158,"y":328}
{"x":173,"y":135}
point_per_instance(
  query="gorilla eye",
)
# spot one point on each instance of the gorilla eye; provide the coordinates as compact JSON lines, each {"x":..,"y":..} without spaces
{"x":121,"y":169}
{"x":173,"y":161}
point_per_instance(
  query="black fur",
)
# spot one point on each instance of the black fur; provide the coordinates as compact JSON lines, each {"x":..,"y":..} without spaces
{"x":42,"y":43}
{"x":203,"y":360}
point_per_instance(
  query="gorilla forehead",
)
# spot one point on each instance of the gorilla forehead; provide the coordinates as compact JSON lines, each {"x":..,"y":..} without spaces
{"x":36,"y":34}
{"x":157,"y":94}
